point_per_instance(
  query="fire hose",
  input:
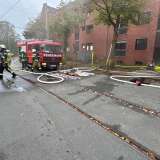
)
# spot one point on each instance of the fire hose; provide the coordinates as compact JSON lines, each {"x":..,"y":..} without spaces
{"x":40,"y":75}
{"x":60,"y":78}
{"x":49,"y":75}
{"x":116,"y":78}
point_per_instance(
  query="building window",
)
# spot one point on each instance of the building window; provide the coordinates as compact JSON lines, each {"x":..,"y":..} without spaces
{"x":77,"y":35}
{"x":68,"y":49}
{"x":83,"y":28}
{"x":83,"y":46}
{"x":144,"y":18}
{"x":141,"y":44}
{"x":89,"y":47}
{"x":120,"y":45}
{"x":89,"y":28}
{"x":76,"y":46}
{"x":120,"y":48}
{"x":123,"y":30}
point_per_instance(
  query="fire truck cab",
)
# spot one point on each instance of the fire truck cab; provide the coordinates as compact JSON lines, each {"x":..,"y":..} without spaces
{"x":50,"y":52}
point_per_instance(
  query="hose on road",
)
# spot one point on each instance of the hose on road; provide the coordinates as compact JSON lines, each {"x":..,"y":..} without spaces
{"x":56,"y":79}
{"x":116,"y":78}
{"x":60,"y":78}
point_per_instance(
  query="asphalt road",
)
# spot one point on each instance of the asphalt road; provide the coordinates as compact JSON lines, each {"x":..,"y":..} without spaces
{"x":36,"y":125}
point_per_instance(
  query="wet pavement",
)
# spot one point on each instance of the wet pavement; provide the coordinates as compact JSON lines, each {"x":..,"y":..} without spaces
{"x":143,"y":128}
{"x":36,"y":125}
{"x":9,"y":85}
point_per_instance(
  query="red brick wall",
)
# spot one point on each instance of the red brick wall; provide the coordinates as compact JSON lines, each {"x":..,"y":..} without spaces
{"x":142,"y":31}
{"x":101,"y":39}
{"x":102,"y":35}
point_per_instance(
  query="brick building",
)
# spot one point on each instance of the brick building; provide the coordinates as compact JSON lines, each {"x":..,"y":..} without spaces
{"x":138,"y":44}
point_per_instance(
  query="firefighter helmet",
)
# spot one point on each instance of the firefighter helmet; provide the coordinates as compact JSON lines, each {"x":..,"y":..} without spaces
{"x":2,"y":46}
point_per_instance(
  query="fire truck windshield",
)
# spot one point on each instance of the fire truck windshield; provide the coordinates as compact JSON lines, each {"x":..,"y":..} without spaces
{"x":55,"y":49}
{"x":48,"y":48}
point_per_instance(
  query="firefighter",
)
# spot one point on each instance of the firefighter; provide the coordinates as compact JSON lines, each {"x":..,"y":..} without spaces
{"x":23,"y":59}
{"x":4,"y":63}
{"x":151,"y":66}
{"x":20,"y":55}
{"x":1,"y":66}
{"x":9,"y":57}
{"x":36,"y":60}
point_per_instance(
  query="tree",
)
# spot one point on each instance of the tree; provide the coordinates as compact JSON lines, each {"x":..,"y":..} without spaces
{"x":60,"y":21}
{"x":61,"y":4}
{"x":115,"y":12}
{"x":68,"y":18}
{"x":8,"y":35}
{"x":35,"y":29}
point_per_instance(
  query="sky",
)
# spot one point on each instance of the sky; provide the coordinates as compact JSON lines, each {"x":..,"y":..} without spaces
{"x":23,"y":11}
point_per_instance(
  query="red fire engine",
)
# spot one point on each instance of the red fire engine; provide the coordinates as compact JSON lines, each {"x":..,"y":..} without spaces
{"x":50,"y":52}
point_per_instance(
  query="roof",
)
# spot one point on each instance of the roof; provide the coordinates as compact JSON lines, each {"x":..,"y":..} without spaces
{"x":39,"y":42}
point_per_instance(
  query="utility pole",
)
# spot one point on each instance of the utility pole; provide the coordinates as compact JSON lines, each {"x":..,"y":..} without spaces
{"x":8,"y":38}
{"x":46,"y":21}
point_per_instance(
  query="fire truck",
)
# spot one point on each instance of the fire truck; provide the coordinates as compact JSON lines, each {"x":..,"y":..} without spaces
{"x":50,"y":52}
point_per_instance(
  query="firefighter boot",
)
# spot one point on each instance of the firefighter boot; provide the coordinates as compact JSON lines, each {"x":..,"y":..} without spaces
{"x":1,"y":72}
{"x":14,"y":75}
{"x":1,"y":77}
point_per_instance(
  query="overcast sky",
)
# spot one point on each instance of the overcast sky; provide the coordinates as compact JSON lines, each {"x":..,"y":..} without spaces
{"x":20,"y":14}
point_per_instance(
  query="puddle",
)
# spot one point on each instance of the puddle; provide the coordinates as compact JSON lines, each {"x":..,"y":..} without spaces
{"x":9,"y":85}
{"x":13,"y":88}
{"x":103,"y":85}
{"x":19,"y":89}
